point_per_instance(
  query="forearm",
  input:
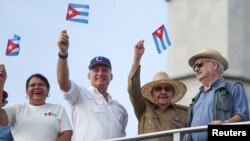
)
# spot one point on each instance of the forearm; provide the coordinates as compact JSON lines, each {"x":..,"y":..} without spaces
{"x":136,"y":60}
{"x":63,"y":74}
{"x":235,"y":118}
{"x":3,"y":76}
{"x":134,"y":90}
{"x":65,"y":136}
{"x":1,"y":96}
{"x":3,"y":117}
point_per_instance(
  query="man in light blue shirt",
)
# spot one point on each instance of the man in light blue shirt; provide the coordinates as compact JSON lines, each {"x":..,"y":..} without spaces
{"x":218,"y":101}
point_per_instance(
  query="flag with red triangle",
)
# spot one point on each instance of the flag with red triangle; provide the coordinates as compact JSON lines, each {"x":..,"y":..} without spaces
{"x":13,"y":48}
{"x":78,"y":13}
{"x":161,"y":39}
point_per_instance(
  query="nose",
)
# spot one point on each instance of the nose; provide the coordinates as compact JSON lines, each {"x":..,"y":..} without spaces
{"x":164,"y":91}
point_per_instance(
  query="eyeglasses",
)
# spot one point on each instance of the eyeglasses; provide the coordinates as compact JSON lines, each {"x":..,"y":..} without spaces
{"x":200,"y":63}
{"x":159,"y":88}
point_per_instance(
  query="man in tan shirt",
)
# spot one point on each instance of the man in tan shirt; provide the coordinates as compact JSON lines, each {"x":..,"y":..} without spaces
{"x":154,"y":102}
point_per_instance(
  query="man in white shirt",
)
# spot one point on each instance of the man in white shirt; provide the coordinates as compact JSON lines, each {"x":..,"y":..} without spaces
{"x":95,"y":115}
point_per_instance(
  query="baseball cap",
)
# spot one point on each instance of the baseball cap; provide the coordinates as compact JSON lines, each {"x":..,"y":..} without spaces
{"x":99,"y":60}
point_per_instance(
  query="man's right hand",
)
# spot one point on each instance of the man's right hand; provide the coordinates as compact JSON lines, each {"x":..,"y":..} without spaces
{"x":138,"y":52}
{"x":139,"y":48}
{"x":3,"y":74}
{"x":63,"y":43}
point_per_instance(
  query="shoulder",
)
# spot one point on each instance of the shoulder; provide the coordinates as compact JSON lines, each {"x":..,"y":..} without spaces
{"x":57,"y":106}
{"x":118,"y":106}
{"x":180,"y":115}
{"x":231,"y":85}
{"x":180,"y":107}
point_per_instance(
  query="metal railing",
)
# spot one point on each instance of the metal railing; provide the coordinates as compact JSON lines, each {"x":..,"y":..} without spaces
{"x":176,"y":133}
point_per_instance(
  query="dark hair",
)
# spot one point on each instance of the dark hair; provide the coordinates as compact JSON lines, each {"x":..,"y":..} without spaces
{"x":43,"y":78}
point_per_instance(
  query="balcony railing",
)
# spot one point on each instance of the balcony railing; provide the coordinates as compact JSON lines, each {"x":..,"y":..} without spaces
{"x":176,"y":133}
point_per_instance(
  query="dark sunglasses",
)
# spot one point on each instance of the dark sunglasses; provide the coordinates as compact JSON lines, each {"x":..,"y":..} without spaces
{"x":159,"y":88}
{"x":200,"y":63}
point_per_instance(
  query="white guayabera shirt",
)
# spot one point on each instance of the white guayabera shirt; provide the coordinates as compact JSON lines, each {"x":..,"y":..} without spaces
{"x":93,"y":118}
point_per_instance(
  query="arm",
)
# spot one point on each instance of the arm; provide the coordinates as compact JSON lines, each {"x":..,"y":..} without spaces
{"x":65,"y":136}
{"x":65,"y":127}
{"x":134,"y":85}
{"x":3,"y":76}
{"x":138,"y":52}
{"x":62,"y":66}
{"x":234,"y":118}
{"x":240,"y":106}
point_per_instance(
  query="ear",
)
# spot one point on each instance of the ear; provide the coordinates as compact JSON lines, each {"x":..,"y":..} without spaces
{"x":47,"y":92}
{"x":89,"y":75}
{"x":111,"y":76}
{"x":216,"y":66}
{"x":152,"y":93}
{"x":27,"y":95}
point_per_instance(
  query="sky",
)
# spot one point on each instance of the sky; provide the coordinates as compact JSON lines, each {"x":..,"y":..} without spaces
{"x":113,"y":28}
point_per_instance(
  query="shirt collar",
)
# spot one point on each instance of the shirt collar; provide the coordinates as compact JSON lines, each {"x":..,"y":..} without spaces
{"x":95,"y":90}
{"x":215,"y":84}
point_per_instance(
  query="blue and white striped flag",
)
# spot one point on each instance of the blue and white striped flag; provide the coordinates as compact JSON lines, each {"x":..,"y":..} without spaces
{"x":78,"y":13}
{"x":161,"y":38}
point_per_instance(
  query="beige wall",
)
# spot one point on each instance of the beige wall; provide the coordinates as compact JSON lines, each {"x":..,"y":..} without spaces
{"x":220,"y":24}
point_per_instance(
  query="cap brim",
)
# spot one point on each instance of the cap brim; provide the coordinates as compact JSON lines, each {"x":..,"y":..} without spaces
{"x":99,"y":64}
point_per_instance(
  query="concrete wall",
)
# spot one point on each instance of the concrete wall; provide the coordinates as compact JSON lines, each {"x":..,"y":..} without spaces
{"x":220,"y":24}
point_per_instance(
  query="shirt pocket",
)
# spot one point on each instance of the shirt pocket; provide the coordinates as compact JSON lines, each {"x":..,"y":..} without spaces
{"x":96,"y":105}
{"x":150,"y":123}
{"x":224,"y":101}
{"x":177,"y":123}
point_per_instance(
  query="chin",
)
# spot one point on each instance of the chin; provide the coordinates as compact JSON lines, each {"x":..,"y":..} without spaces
{"x":163,"y":103}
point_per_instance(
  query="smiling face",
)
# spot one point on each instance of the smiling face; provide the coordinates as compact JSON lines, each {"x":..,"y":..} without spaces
{"x":37,"y":91}
{"x":100,"y":77}
{"x":162,"y":95}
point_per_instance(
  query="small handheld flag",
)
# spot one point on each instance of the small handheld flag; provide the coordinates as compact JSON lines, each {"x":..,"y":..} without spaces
{"x":158,"y":35}
{"x":13,"y":48}
{"x":78,"y":13}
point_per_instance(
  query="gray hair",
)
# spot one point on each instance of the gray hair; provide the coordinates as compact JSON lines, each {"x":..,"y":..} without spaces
{"x":221,"y":68}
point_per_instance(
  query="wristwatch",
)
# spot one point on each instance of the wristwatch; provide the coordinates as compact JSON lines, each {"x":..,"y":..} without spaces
{"x":62,"y":56}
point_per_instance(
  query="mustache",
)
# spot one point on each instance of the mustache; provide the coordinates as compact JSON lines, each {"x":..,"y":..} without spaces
{"x":164,"y":96}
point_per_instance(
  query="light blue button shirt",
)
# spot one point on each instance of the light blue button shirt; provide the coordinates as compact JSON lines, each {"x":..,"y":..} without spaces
{"x":203,"y":109}
{"x":5,"y":134}
{"x":202,"y":113}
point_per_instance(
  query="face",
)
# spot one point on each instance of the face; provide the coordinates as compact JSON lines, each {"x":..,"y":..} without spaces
{"x":4,"y":102}
{"x":204,"y":68}
{"x":162,"y":95}
{"x":37,"y":91}
{"x":100,"y":77}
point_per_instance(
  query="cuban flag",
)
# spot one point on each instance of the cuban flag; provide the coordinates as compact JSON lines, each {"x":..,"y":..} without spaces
{"x":78,"y":13}
{"x":161,"y":39}
{"x":13,"y":46}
